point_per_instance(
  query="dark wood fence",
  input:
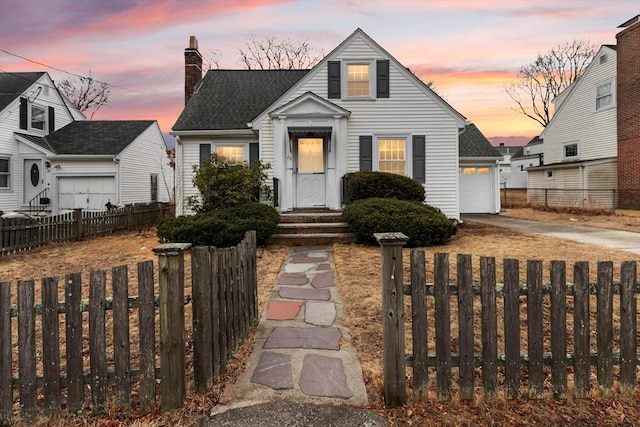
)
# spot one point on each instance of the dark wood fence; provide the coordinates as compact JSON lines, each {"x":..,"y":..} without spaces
{"x":61,"y":370}
{"x":546,"y":335}
{"x":26,"y":233}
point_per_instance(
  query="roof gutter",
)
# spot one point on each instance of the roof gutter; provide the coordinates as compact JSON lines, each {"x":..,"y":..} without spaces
{"x":218,"y":132}
{"x":112,"y":157}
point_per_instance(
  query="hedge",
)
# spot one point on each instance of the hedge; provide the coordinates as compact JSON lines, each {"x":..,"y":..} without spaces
{"x":367,"y":185}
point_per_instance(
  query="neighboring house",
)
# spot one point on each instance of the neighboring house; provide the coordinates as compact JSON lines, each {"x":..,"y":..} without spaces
{"x":628,"y":105}
{"x":531,"y":155}
{"x":580,"y":141}
{"x":357,"y":109}
{"x":507,"y":152}
{"x":52,"y":160}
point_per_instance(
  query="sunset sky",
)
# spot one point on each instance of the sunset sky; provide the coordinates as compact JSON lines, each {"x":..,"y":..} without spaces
{"x":471,"y":49}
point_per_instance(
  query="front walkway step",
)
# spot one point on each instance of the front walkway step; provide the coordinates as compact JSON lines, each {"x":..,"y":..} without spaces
{"x":315,"y":228}
{"x":292,"y":337}
{"x":312,"y":239}
{"x":324,"y":376}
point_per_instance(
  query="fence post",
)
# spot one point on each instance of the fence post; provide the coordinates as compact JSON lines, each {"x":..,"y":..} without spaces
{"x":393,"y":317}
{"x":77,"y":217}
{"x":172,"y":343}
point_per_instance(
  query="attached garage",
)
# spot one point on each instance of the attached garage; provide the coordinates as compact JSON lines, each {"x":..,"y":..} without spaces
{"x":86,"y":192}
{"x":475,"y":189}
{"x":478,"y":174}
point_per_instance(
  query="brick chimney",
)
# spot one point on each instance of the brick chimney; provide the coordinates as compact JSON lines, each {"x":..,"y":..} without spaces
{"x":192,"y":68}
{"x":628,"y":108}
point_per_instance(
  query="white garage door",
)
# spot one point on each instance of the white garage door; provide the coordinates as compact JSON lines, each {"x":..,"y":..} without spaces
{"x":89,"y":193}
{"x":475,"y":190}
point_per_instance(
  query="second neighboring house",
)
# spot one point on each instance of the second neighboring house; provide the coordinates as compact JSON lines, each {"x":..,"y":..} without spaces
{"x":529,"y":156}
{"x":357,"y":109}
{"x":580,"y":142}
{"x":52,"y":160}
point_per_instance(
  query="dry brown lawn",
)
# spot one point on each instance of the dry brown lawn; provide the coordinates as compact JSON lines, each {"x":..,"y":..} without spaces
{"x":358,"y":272}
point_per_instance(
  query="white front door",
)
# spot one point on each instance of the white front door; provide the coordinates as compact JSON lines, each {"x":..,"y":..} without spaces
{"x":32,"y":179}
{"x":310,"y":172}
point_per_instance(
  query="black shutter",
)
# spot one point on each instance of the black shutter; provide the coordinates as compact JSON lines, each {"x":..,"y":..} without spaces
{"x":52,"y":120}
{"x":382,"y":78}
{"x":24,"y":116}
{"x":418,"y":158}
{"x":366,"y":153}
{"x":205,"y":152}
{"x":333,"y":88}
{"x":254,"y":152}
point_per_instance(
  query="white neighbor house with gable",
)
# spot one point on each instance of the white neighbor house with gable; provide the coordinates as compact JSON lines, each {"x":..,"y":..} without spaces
{"x":53,"y":160}
{"x":580,"y":141}
{"x":357,"y":109}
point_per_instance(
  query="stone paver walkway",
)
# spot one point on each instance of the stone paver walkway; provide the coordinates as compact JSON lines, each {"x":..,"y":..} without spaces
{"x":302,"y":351}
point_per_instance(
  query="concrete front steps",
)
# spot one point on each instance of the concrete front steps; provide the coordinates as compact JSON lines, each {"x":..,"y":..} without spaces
{"x":315,"y":226}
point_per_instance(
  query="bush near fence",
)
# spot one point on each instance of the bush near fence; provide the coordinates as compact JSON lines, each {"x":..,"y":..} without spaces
{"x":24,"y":234}
{"x":515,"y":364}
{"x":224,"y":309}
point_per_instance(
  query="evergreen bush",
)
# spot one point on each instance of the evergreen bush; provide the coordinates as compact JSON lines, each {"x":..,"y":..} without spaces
{"x":424,"y":225}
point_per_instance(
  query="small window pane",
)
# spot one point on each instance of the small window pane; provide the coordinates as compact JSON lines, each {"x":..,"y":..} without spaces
{"x":392,"y":156}
{"x":4,"y":173}
{"x":235,"y":154}
{"x":604,"y":97}
{"x":358,"y":80}
{"x":571,"y":150}
{"x":483,"y":171}
{"x":469,"y":171}
{"x":37,"y":117}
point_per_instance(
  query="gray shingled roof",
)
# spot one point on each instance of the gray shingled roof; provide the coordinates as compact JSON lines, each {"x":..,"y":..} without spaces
{"x":96,"y":137}
{"x":472,"y":143}
{"x":12,"y":85}
{"x":229,"y":99}
{"x":38,"y":140}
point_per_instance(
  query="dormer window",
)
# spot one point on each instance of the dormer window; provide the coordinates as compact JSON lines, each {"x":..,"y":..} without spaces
{"x":38,"y":118}
{"x":364,"y":79}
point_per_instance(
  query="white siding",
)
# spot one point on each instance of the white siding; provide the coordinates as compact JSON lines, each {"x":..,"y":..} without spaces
{"x":144,"y":156}
{"x":578,"y":121}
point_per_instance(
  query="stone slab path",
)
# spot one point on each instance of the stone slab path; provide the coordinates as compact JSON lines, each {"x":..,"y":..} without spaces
{"x":302,"y":351}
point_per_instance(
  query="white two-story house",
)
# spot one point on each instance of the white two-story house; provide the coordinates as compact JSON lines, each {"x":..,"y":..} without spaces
{"x":580,"y":142}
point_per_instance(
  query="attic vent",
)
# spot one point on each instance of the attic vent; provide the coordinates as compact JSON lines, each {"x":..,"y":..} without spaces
{"x":603,"y":59}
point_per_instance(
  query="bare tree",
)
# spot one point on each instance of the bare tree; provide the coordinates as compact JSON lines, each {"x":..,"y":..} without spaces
{"x":272,"y":53}
{"x":86,"y":93}
{"x":211,"y":60}
{"x":540,"y":82}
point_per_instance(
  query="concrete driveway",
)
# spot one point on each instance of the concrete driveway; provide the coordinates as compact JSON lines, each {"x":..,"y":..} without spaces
{"x":614,"y":239}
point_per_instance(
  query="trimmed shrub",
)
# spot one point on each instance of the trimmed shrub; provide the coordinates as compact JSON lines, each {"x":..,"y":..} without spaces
{"x":367,"y":185}
{"x":222,"y":228}
{"x":424,"y":225}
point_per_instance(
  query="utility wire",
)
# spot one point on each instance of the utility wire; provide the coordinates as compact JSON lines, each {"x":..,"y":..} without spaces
{"x":70,"y":73}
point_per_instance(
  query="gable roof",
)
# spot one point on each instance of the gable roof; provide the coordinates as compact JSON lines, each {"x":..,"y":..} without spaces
{"x":229,"y":99}
{"x":402,"y":69}
{"x":100,"y":137}
{"x":12,"y":85}
{"x":472,"y":143}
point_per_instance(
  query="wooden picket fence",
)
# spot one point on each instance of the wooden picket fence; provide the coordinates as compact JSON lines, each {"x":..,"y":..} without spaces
{"x":512,"y":363}
{"x":224,"y":307}
{"x":20,"y":234}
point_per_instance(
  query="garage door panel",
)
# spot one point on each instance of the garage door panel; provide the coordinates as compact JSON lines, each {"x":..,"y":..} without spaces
{"x":475,"y":191}
{"x":90,"y":193}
